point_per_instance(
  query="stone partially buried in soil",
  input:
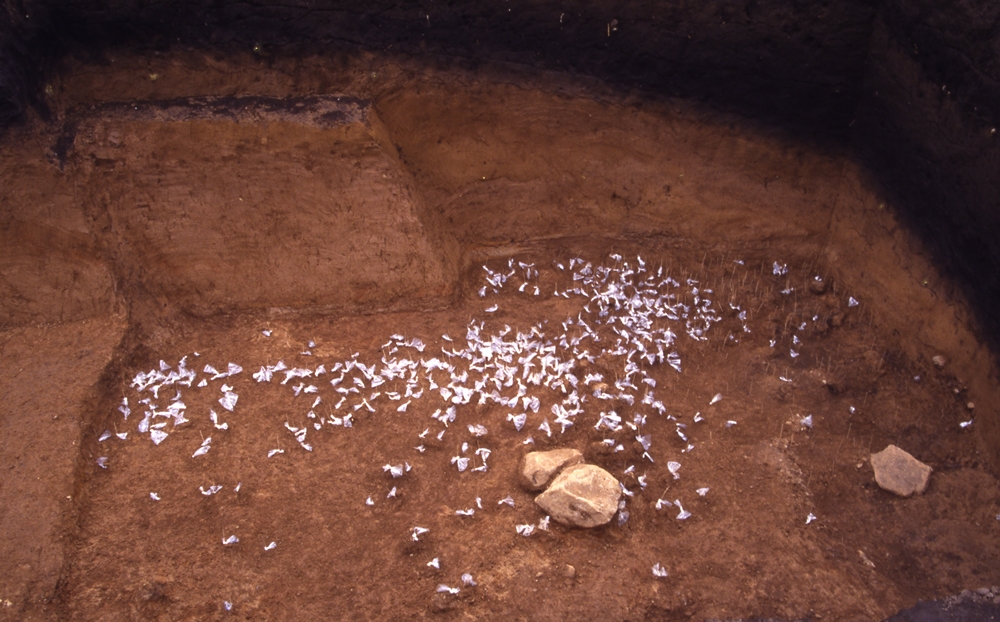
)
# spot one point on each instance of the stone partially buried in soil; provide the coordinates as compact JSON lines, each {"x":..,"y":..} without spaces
{"x":583,"y":495}
{"x":899,"y":472}
{"x":539,"y":467}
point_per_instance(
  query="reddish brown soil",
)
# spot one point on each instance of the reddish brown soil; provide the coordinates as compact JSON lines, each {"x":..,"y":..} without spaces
{"x":216,"y":226}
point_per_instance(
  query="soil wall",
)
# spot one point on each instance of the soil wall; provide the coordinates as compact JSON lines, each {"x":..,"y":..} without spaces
{"x":914,"y":80}
{"x":262,"y":207}
{"x":797,"y":63}
{"x":927,"y":125}
{"x":51,"y":265}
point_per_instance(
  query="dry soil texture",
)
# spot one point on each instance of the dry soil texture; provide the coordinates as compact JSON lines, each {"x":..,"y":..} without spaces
{"x":429,"y":271}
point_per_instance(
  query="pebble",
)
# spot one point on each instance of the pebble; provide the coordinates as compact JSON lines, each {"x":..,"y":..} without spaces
{"x":583,"y":495}
{"x":444,"y":602}
{"x":899,"y":472}
{"x":939,"y":361}
{"x":817,"y":285}
{"x":539,"y":467}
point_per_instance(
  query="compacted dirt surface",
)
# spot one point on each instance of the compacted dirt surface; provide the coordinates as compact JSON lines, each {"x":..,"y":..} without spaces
{"x":279,"y":333}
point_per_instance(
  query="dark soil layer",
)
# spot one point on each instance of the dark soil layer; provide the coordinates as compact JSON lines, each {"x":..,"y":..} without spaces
{"x":791,"y":63}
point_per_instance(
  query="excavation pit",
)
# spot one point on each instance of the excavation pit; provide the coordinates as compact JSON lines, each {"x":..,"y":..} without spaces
{"x":392,"y":279}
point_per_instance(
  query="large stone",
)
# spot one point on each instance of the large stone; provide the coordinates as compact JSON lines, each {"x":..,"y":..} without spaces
{"x":899,"y":472}
{"x":582,"y":495}
{"x":539,"y":467}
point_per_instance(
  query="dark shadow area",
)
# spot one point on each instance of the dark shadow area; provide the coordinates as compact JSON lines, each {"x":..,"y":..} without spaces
{"x":23,"y":60}
{"x":927,"y":126}
{"x":972,"y":608}
{"x":793,"y":64}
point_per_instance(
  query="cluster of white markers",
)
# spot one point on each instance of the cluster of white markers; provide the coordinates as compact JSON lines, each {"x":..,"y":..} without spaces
{"x":547,"y":377}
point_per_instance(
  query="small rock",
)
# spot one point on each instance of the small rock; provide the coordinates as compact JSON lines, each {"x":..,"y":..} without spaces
{"x":444,"y":602}
{"x":583,"y":495}
{"x":971,"y":406}
{"x":939,"y":361}
{"x":817,"y":285}
{"x":539,"y":467}
{"x":569,"y":572}
{"x":154,"y":592}
{"x":899,"y":472}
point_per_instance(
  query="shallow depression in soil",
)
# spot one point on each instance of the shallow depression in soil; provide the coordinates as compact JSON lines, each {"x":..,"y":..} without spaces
{"x":349,"y":317}
{"x":735,"y":398}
